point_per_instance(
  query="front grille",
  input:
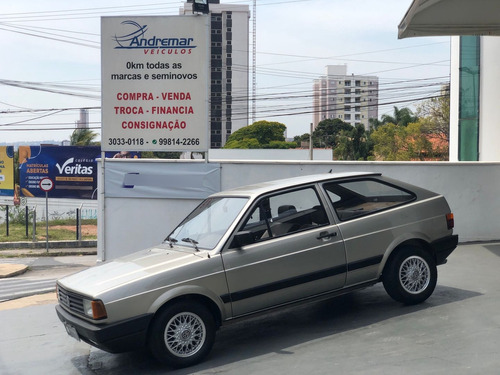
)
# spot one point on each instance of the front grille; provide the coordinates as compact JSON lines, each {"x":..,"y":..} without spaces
{"x":70,"y":301}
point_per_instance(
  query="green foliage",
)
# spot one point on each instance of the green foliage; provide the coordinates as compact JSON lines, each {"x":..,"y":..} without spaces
{"x":246,"y":143}
{"x":261,"y":134}
{"x":434,"y":116}
{"x":83,"y":137}
{"x":280,"y":145}
{"x":326,"y":132}
{"x":298,"y":139}
{"x":397,"y":142}
{"x":353,"y":144}
{"x":160,"y":155}
{"x":402,"y":117}
{"x":17,"y":215}
{"x":347,"y":142}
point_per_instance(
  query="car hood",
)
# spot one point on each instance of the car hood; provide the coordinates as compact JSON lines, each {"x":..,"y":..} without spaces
{"x":124,"y":271}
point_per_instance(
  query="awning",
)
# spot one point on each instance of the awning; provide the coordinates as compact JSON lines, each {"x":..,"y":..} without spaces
{"x":451,"y":17}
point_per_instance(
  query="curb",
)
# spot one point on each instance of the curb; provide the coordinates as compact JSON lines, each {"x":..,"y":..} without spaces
{"x":11,"y":270}
{"x":51,"y":245}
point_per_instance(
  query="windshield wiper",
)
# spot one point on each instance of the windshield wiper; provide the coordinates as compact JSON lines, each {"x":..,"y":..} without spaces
{"x":192,"y":242}
{"x":171,"y":241}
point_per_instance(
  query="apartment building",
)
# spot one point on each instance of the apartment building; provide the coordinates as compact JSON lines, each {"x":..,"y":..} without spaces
{"x":229,"y":65}
{"x":350,"y":98}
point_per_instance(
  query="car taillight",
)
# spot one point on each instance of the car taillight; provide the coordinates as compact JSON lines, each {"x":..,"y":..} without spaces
{"x":450,"y":221}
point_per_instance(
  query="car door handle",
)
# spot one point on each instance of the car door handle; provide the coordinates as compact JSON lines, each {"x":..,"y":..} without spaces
{"x":326,"y":235}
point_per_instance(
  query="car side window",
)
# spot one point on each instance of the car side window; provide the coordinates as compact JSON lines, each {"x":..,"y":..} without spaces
{"x":285,"y":213}
{"x":362,"y":197}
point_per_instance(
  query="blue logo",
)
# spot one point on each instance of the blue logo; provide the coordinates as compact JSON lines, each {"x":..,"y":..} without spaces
{"x":135,"y":37}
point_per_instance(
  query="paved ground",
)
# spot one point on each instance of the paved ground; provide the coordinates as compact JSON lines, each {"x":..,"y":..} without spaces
{"x":456,"y":331}
{"x":10,"y":269}
{"x":39,"y":274}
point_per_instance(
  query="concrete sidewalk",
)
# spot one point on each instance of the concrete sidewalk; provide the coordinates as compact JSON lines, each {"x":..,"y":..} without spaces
{"x":12,"y":269}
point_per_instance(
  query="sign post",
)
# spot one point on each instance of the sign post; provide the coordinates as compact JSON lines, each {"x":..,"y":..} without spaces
{"x":46,"y":184}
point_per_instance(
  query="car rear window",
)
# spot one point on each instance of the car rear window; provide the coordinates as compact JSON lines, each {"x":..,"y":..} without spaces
{"x":357,"y":198}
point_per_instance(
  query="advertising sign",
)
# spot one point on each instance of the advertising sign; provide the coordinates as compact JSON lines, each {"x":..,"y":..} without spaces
{"x":7,"y":170}
{"x":154,"y":73}
{"x":71,"y":169}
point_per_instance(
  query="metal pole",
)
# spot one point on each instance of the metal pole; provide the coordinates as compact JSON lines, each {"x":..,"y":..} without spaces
{"x":27,"y":221}
{"x":311,"y":142}
{"x":47,"y":221}
{"x":7,"y":219}
{"x":34,"y":224}
{"x":77,"y":224}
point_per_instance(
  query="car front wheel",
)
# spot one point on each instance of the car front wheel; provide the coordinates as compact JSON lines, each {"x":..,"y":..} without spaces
{"x":182,"y":334}
{"x":410,"y":275}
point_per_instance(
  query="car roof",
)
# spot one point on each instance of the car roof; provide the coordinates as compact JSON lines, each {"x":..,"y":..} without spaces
{"x":268,"y":186}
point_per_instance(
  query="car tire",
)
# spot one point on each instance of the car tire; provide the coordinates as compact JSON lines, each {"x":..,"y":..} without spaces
{"x":182,"y":334}
{"x":410,"y":276}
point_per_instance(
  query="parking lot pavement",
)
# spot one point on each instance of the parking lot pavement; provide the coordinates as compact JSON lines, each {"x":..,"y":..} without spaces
{"x":456,"y":331}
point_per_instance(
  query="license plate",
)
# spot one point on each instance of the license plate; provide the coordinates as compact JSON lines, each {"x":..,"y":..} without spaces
{"x":72,"y":331}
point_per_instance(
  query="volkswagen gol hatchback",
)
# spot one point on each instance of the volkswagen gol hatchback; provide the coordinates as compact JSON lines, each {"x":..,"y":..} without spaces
{"x":256,"y":248}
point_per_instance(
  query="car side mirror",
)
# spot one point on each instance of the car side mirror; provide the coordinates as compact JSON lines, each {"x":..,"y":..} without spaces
{"x":242,"y":238}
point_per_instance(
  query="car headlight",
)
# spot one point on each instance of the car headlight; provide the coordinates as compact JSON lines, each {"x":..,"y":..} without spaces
{"x":94,"y":309}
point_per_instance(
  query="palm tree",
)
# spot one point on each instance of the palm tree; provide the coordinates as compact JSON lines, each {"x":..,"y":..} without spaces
{"x":83,"y":137}
{"x":402,"y":117}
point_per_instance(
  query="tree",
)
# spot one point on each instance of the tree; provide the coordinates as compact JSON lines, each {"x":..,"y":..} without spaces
{"x":398,"y":142}
{"x":160,"y":155}
{"x":434,"y":115}
{"x":83,"y":137}
{"x":354,"y":144}
{"x":301,"y":138}
{"x":261,"y":134}
{"x":326,"y":132}
{"x":403,"y":117}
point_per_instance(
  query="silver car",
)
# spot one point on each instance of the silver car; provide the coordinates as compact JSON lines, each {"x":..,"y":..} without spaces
{"x":257,"y":248}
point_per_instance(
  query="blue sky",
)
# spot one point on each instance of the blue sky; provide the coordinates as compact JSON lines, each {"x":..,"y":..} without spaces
{"x":296,"y":39}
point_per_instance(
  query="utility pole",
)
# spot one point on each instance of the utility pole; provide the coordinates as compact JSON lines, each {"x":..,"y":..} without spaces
{"x":254,"y":61}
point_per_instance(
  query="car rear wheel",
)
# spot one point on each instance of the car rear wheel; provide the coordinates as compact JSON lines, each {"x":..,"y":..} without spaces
{"x":410,"y":275}
{"x":182,"y":334}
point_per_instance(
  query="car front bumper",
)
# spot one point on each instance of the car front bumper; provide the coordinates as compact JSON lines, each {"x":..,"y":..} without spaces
{"x":118,"y":337}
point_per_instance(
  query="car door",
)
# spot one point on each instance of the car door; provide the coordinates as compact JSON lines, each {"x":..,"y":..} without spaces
{"x":295,"y":251}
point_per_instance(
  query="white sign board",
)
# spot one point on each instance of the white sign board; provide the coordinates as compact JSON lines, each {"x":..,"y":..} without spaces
{"x":154,"y":73}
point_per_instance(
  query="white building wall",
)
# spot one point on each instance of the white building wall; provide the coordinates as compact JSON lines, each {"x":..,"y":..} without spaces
{"x":489,"y":96}
{"x":454,"y":96}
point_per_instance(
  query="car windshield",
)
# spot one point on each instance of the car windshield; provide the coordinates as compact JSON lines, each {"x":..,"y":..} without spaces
{"x":205,"y":226}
